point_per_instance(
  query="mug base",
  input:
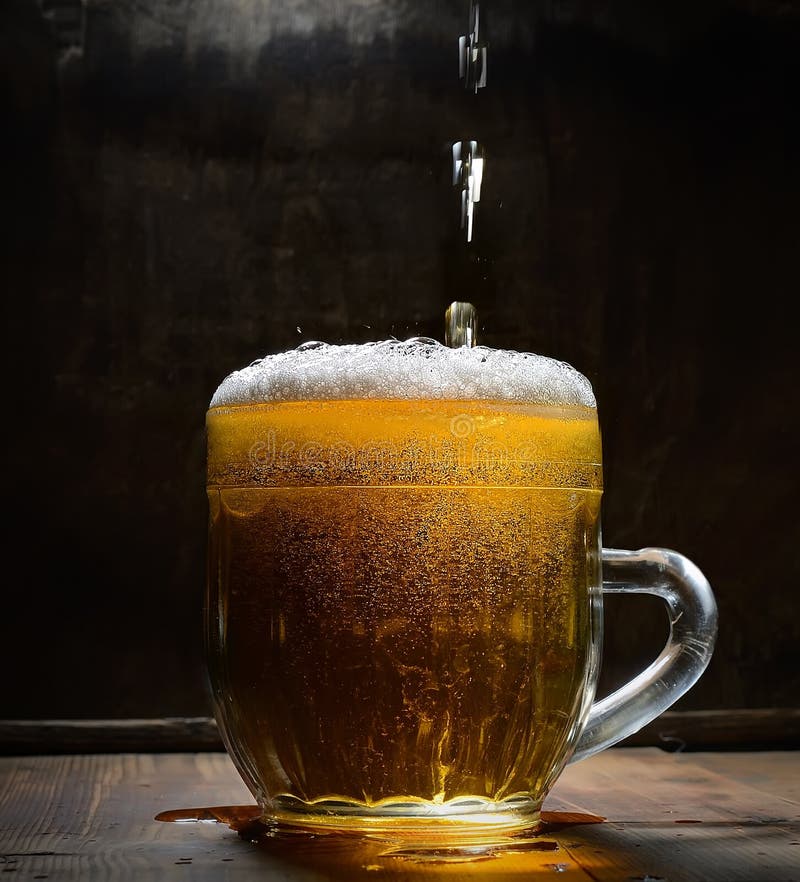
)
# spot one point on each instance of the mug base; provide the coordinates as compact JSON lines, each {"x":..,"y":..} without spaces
{"x":462,"y":820}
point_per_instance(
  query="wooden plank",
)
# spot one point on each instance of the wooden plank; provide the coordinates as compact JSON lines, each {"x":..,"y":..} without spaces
{"x":759,"y":771}
{"x":181,"y":734}
{"x":681,"y":817}
{"x":734,"y":729}
{"x":749,"y":729}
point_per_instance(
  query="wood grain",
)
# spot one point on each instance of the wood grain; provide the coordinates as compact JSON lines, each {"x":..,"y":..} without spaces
{"x":732,"y":817}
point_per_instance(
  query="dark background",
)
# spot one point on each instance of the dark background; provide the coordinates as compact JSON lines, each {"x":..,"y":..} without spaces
{"x":187,"y":186}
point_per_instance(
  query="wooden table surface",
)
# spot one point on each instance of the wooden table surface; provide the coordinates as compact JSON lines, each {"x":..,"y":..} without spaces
{"x":709,"y":817}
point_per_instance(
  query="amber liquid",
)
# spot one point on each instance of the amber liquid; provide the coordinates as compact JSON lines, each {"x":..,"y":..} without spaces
{"x":400,"y":602}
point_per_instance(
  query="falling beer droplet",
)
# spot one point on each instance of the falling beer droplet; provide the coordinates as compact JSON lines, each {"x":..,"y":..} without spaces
{"x":472,"y":52}
{"x":461,"y":325}
{"x":468,"y":166}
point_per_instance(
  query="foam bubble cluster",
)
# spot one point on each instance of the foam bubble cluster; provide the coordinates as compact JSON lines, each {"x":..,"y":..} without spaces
{"x":410,"y":370}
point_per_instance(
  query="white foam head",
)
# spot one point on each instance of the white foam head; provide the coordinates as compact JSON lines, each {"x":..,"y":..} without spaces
{"x":411,"y":370}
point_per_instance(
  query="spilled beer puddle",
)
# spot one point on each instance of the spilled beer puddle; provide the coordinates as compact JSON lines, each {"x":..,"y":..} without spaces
{"x":341,"y":850}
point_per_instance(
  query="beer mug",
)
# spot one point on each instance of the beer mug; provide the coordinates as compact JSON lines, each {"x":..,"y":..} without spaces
{"x":404,"y":608}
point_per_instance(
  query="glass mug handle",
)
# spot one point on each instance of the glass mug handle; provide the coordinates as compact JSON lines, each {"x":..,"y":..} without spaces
{"x":693,"y":632}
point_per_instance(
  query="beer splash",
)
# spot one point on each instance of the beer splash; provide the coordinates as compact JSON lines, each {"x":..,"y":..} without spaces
{"x":343,"y":854}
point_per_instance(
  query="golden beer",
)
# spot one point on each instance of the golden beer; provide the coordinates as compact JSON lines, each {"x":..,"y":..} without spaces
{"x":401,"y":600}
